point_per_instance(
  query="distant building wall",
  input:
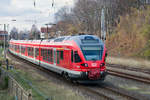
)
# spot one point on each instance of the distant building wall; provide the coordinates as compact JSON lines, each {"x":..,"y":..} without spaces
{"x":2,"y":34}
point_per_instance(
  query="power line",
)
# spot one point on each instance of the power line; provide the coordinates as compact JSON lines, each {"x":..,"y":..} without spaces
{"x":52,"y":3}
{"x":34,"y":4}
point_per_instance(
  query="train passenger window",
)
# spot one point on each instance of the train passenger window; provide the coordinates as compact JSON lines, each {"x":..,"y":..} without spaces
{"x":15,"y":48}
{"x":22,"y":49}
{"x":61,"y":55}
{"x":48,"y":56}
{"x":36,"y":52}
{"x":51,"y":55}
{"x":58,"y":57}
{"x":18,"y":49}
{"x":71,"y":55}
{"x":45,"y":54}
{"x":31,"y":51}
{"x":77,"y":57}
{"x":41,"y":52}
{"x":28,"y":49}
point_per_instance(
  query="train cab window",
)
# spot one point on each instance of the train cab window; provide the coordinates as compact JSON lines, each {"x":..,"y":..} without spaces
{"x":77,"y":58}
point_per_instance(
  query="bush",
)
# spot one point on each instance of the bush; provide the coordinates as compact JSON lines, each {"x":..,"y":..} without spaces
{"x":0,"y":72}
{"x":6,"y":81}
{"x":131,"y":36}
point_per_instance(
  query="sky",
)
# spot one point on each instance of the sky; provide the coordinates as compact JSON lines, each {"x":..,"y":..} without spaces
{"x":26,"y":14}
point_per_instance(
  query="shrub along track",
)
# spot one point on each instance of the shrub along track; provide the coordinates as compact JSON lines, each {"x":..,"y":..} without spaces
{"x":101,"y":91}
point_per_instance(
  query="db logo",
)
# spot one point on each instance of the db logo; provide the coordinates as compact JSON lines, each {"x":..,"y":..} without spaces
{"x":94,"y":64}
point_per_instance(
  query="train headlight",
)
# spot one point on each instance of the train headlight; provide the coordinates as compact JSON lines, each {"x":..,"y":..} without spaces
{"x":84,"y":64}
{"x":78,"y":66}
{"x":102,"y":64}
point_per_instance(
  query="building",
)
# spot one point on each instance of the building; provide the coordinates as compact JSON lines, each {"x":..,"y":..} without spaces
{"x":47,"y":32}
{"x":2,"y":34}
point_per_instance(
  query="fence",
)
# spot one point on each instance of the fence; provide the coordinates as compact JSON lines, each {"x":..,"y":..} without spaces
{"x":14,"y":88}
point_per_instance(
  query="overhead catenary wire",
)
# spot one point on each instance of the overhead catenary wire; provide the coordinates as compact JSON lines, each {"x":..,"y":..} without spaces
{"x":34,"y":4}
{"x":52,"y":3}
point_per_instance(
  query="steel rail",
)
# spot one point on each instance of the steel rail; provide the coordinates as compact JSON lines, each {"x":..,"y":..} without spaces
{"x":129,"y":76}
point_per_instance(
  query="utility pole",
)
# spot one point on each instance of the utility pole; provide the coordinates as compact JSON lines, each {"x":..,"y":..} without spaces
{"x":103,"y":27}
{"x":47,"y":30}
{"x":8,"y":33}
{"x":4,"y":41}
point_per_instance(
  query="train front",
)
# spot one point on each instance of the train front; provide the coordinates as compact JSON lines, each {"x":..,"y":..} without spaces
{"x":90,"y":58}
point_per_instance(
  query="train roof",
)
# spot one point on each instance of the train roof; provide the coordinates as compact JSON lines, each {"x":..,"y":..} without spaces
{"x":79,"y":39}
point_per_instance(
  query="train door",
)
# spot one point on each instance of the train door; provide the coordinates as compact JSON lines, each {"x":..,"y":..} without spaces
{"x":67,"y":60}
{"x":54,"y":56}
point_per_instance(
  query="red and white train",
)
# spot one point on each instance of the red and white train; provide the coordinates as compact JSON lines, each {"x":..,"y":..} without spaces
{"x":79,"y":57}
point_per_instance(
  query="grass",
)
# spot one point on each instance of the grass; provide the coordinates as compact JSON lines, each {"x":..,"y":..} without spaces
{"x":24,"y":83}
{"x":46,"y":88}
{"x":137,"y":63}
{"x":4,"y":95}
{"x":131,"y":37}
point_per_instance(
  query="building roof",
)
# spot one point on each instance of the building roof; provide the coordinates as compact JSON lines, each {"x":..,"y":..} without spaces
{"x":3,"y":32}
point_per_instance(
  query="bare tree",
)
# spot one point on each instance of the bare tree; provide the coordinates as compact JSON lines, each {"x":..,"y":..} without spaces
{"x":14,"y":33}
{"x":24,"y":35}
{"x":86,"y":14}
{"x":35,"y":33}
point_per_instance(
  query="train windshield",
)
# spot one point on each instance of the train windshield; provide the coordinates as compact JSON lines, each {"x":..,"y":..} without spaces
{"x":92,"y":52}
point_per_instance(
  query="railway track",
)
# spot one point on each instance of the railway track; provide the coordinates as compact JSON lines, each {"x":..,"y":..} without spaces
{"x":129,"y":76}
{"x":92,"y":91}
{"x":146,"y":71}
{"x":110,"y":93}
